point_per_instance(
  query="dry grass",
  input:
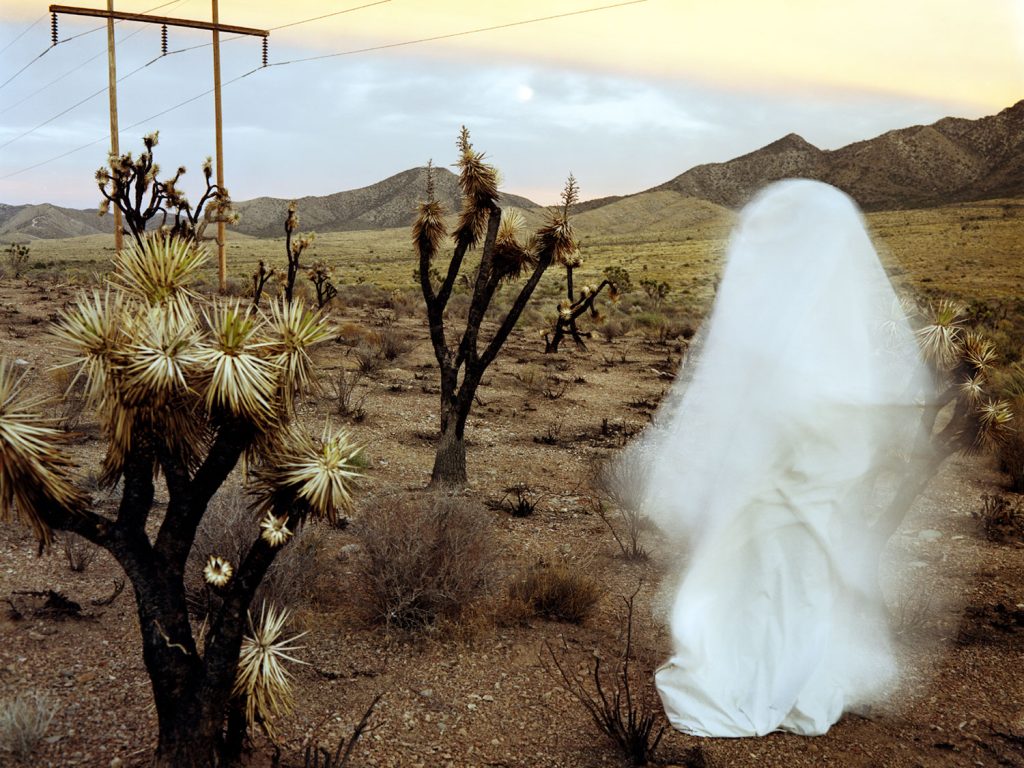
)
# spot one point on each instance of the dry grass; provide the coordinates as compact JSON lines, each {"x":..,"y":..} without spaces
{"x":23,"y":722}
{"x":559,"y":591}
{"x":427,"y":559}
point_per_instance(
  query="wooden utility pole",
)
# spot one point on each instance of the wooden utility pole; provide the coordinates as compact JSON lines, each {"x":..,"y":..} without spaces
{"x":114,"y":150}
{"x":222,"y":262}
{"x":214,"y":26}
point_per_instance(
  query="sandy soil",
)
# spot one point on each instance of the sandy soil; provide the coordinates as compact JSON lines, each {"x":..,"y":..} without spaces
{"x":480,"y":696}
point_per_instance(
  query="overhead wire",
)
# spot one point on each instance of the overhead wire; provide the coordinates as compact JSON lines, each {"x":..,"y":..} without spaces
{"x":68,"y":39}
{"x":282,"y":26}
{"x":448,"y":36}
{"x":352,"y":52}
{"x":22,"y":33}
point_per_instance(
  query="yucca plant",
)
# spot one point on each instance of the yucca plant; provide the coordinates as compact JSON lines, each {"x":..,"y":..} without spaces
{"x":183,"y":389}
{"x":967,"y":415}
{"x":131,"y":185}
{"x":504,"y":258}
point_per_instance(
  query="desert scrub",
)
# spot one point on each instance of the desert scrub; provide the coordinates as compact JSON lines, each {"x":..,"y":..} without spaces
{"x":559,"y":591}
{"x":23,"y":722}
{"x":427,"y":559}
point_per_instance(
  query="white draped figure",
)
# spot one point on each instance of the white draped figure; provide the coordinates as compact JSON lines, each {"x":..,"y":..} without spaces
{"x":802,"y":392}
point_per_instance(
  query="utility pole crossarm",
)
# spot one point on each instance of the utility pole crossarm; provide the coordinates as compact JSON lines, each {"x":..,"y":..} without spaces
{"x":194,"y":24}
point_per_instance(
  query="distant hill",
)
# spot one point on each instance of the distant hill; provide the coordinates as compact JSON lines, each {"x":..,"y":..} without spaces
{"x":45,"y":222}
{"x":388,"y":203}
{"x":952,"y":160}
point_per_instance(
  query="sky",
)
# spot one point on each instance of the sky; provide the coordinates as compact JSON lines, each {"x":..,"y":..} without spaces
{"x":624,"y":95}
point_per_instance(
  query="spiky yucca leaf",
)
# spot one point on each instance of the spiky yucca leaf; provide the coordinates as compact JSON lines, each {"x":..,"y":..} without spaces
{"x":979,"y":353}
{"x":218,"y":571}
{"x":941,"y":340}
{"x":995,"y":422}
{"x":274,"y":530}
{"x":972,"y":389}
{"x":294,"y":329}
{"x":163,"y":357}
{"x":239,"y":379}
{"x":261,"y":676}
{"x":510,"y":257}
{"x":159,"y":271}
{"x":478,"y":182}
{"x":318,"y":471}
{"x":33,"y":470}
{"x":429,"y":229}
{"x":558,"y":238}
{"x":93,"y":333}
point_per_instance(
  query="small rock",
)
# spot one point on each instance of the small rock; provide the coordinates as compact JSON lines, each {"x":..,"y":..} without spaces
{"x":116,"y":762}
{"x":929,"y":534}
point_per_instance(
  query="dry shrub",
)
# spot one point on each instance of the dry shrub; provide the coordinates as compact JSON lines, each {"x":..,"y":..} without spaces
{"x":613,"y":328}
{"x":350,"y":393}
{"x":390,"y":343}
{"x":227,"y":530}
{"x":428,"y":558}
{"x":72,"y":403}
{"x":78,"y":552}
{"x":350,"y":333}
{"x":1001,"y":519}
{"x":23,"y":722}
{"x":559,"y":591}
{"x":620,"y":700}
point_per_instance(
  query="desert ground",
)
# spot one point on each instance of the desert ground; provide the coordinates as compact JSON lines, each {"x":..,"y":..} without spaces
{"x":480,"y":690}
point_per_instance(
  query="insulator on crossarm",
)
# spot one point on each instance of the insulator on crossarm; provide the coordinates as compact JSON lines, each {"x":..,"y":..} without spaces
{"x":53,"y":28}
{"x":163,"y":39}
{"x":264,"y":51}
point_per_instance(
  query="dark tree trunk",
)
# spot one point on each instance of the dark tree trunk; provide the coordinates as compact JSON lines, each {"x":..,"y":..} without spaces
{"x":450,"y":458}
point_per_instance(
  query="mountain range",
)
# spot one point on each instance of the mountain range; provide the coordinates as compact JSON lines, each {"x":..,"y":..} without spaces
{"x":951,"y":160}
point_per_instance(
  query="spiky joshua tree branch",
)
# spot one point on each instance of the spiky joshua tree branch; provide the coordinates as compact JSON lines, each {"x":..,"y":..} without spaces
{"x":183,"y":389}
{"x":503,"y":259}
{"x":131,"y":184}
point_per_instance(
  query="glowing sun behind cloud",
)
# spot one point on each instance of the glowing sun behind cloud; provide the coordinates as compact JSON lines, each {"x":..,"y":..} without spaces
{"x":524,"y":93}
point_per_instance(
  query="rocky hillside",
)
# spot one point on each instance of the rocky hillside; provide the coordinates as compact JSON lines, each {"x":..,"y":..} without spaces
{"x":388,"y":203}
{"x":949,"y":161}
{"x":21,"y":223}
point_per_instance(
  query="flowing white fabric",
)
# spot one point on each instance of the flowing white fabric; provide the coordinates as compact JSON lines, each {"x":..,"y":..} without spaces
{"x":766,"y":459}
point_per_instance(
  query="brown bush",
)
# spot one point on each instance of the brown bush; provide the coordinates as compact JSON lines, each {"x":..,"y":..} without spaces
{"x":428,"y":558}
{"x":558,"y":591}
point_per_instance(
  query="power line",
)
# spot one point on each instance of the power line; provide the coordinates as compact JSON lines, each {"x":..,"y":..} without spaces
{"x":283,"y":26}
{"x":22,"y":33}
{"x":506,"y":25}
{"x":68,"y":39}
{"x":450,"y":35}
{"x":71,"y":71}
{"x":76,"y":105}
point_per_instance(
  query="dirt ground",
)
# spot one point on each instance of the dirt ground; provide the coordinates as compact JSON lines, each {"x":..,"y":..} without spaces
{"x":480,"y":695}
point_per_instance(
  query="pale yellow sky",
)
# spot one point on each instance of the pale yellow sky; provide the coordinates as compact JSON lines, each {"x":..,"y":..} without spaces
{"x":953,"y":51}
{"x":956,"y":51}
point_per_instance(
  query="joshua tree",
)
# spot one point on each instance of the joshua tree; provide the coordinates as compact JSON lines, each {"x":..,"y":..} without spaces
{"x":17,"y":257}
{"x":962,"y":363}
{"x":131,"y":184}
{"x":570,"y":311}
{"x":502,"y":259}
{"x":183,"y":389}
{"x":294,"y":249}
